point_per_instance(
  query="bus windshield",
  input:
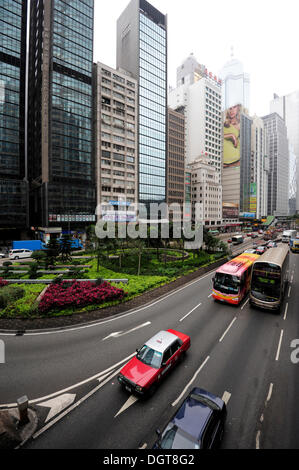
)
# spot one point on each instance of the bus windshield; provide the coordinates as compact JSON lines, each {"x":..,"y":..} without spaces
{"x":226,"y":283}
{"x":265,"y":283}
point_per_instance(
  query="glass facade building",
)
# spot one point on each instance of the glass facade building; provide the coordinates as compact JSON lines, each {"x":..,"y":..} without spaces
{"x":13,"y":188}
{"x":142,"y":50}
{"x":61,"y":61}
{"x":152,"y":111}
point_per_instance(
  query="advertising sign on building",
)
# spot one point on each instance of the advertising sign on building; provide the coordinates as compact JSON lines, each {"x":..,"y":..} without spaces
{"x":230,"y":210}
{"x":231,"y":143}
{"x":253,"y":198}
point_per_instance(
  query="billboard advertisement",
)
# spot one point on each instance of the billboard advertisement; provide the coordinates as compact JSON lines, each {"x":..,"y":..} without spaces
{"x":231,"y":136}
{"x":253,"y":196}
{"x":230,"y":210}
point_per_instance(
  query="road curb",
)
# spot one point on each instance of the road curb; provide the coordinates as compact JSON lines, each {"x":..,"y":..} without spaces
{"x":204,"y":270}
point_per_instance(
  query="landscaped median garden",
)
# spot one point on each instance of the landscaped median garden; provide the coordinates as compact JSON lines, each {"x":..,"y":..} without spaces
{"x":77,"y":285}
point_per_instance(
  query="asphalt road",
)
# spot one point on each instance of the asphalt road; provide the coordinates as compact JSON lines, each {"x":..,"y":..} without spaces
{"x":237,"y":350}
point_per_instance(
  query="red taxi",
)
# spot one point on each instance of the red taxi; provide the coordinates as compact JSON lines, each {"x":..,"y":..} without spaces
{"x":156,"y":358}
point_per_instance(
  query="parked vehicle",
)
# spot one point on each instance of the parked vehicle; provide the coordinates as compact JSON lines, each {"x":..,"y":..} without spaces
{"x":198,"y":424}
{"x":271,"y":244}
{"x":32,"y":245}
{"x":76,"y":244}
{"x":270,"y":277}
{"x":2,"y":255}
{"x":254,"y":235}
{"x":232,"y":280}
{"x":18,"y":254}
{"x":142,"y":374}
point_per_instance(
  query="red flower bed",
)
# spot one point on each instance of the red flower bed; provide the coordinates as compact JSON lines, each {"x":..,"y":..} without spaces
{"x":3,"y":282}
{"x":78,"y":294}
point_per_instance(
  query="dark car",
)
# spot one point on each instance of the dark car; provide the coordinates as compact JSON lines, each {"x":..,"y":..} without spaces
{"x":198,"y":424}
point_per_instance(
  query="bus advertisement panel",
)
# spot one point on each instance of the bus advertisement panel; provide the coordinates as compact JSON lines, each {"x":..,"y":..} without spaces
{"x":232,"y":280}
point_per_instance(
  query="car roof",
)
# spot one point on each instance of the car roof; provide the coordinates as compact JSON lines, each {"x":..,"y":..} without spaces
{"x":161,"y":341}
{"x":193,"y":415}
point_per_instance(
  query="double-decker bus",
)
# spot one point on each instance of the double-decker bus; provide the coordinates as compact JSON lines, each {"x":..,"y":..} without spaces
{"x":270,"y":276}
{"x":232,"y":280}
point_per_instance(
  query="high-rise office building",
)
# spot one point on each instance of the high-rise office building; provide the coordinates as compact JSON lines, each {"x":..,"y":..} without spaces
{"x":235,"y":85}
{"x":288,"y":108}
{"x":60,"y":153}
{"x":278,"y":181}
{"x":236,"y":174}
{"x":176,"y":161}
{"x":259,"y":168}
{"x":142,"y":50}
{"x":116,"y":140}
{"x":13,"y":186}
{"x":201,"y":101}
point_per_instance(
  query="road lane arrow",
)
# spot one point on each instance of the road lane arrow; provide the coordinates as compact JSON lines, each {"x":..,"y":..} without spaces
{"x":131,"y":400}
{"x":117,"y":334}
{"x":58,"y":404}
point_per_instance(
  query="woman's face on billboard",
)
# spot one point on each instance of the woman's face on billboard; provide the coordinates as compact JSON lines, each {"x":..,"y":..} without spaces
{"x":233,"y":111}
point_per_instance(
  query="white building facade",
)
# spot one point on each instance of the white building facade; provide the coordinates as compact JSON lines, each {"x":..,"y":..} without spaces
{"x":206,"y":191}
{"x":259,"y":166}
{"x":202,"y":103}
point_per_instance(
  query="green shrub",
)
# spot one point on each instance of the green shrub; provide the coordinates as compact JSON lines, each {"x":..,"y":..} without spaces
{"x":32,"y":272}
{"x":10,"y":294}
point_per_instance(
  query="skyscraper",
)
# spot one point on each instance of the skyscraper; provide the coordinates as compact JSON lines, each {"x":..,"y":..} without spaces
{"x":278,"y":181}
{"x":288,"y":108}
{"x":235,"y":85}
{"x":13,"y":187}
{"x":60,"y":154}
{"x":142,"y":50}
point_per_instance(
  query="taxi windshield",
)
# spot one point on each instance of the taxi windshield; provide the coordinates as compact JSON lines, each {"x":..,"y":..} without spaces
{"x":150,"y":357}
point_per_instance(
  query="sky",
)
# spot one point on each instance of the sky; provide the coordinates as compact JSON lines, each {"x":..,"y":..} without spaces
{"x":263,"y":33}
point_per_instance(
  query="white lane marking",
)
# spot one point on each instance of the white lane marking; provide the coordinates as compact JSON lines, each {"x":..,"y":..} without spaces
{"x":227,"y":330}
{"x":117,"y":334}
{"x":192,"y":380}
{"x":257,"y":440}
{"x":210,"y":296}
{"x":279,"y":346}
{"x":112,"y":319}
{"x":286,"y":311}
{"x":289,"y":293}
{"x":245,"y":304}
{"x":262,"y":418}
{"x":75,"y":405}
{"x":226,"y":397}
{"x":190,"y":312}
{"x":130,"y":401}
{"x":100,"y":375}
{"x":58,"y":404}
{"x":269,"y":393}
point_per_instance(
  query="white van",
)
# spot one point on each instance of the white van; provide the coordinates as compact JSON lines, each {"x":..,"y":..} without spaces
{"x":21,"y":253}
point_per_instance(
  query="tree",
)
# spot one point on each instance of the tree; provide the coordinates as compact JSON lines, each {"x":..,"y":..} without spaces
{"x":65,"y":248}
{"x":52,"y":251}
{"x":138,"y":247}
